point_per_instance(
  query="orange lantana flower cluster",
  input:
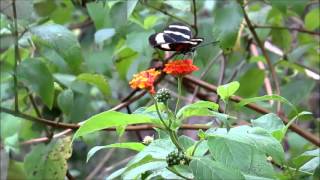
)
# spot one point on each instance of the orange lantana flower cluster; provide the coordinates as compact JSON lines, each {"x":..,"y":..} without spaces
{"x":180,"y":67}
{"x":145,"y":80}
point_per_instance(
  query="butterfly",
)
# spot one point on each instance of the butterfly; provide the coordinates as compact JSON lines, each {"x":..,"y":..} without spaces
{"x":176,"y":37}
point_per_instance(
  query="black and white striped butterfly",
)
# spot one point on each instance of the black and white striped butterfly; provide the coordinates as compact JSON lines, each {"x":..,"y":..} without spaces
{"x":176,"y":37}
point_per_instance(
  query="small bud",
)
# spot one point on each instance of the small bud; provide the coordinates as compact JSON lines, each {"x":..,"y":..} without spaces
{"x":269,"y":158}
{"x":147,"y":140}
{"x":163,"y":95}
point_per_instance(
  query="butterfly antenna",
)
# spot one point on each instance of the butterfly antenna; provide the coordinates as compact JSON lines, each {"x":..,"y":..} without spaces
{"x":205,"y":44}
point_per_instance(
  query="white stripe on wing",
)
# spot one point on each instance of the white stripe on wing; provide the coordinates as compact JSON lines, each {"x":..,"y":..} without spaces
{"x":159,"y":38}
{"x":179,"y":27}
{"x":177,"y":33}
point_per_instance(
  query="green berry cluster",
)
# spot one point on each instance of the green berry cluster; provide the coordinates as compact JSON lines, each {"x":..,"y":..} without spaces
{"x":163,"y":95}
{"x":177,"y":158}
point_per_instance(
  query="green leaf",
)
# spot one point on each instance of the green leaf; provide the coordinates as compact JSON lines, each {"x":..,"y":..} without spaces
{"x":163,"y":174}
{"x":205,"y":168}
{"x":281,"y":38}
{"x":227,"y":90}
{"x":127,"y":145}
{"x":311,"y":165}
{"x":199,"y":108}
{"x":44,"y":7}
{"x":130,"y":7}
{"x":272,"y":123}
{"x":98,"y":80}
{"x":132,"y":168}
{"x":151,"y":166}
{"x":35,"y":74}
{"x":281,"y":5}
{"x":62,"y":40}
{"x":201,"y":150}
{"x":116,"y":9}
{"x":311,"y":20}
{"x":240,"y":155}
{"x":186,"y":141}
{"x":124,"y":61}
{"x":274,"y":97}
{"x":65,"y":100}
{"x":251,"y":83}
{"x":258,"y":138}
{"x":158,"y":149}
{"x":103,"y":34}
{"x":138,"y":41}
{"x":110,"y":119}
{"x":9,"y":125}
{"x":227,"y":20}
{"x":150,"y":21}
{"x":99,"y":13}
{"x":284,"y":130}
{"x":180,"y":5}
{"x":64,"y":12}
{"x":48,"y":162}
{"x":305,"y":157}
{"x":16,"y":170}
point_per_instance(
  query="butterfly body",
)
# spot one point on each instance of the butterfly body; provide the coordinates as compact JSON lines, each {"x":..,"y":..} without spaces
{"x":176,"y":37}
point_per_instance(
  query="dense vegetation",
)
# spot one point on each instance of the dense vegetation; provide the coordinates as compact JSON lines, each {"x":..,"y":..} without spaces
{"x":85,"y":96}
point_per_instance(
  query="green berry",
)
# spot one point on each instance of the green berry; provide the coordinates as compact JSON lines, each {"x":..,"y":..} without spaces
{"x":177,"y":158}
{"x":163,"y":95}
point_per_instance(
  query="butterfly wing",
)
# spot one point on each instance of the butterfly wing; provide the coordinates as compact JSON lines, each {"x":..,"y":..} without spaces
{"x":175,"y":37}
{"x":178,"y":32}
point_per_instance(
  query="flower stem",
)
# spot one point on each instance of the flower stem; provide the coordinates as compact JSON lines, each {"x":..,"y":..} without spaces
{"x":159,"y":114}
{"x":179,"y":94}
{"x":172,"y":134}
{"x":169,"y":115}
{"x":195,"y":147}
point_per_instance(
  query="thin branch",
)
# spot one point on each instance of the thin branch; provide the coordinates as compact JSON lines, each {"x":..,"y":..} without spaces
{"x":222,"y":72}
{"x":203,"y":74}
{"x":39,"y":120}
{"x":236,"y":71}
{"x":145,"y":127}
{"x":195,"y":26}
{"x":295,"y":128}
{"x":301,"y":30}
{"x":17,"y":57}
{"x":99,"y":166}
{"x":38,"y":113}
{"x":265,"y":54}
{"x":166,"y":13}
{"x":117,"y":164}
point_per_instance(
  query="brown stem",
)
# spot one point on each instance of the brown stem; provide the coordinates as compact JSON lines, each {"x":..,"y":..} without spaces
{"x":39,"y":120}
{"x":286,"y":28}
{"x":265,"y":54}
{"x":195,"y":26}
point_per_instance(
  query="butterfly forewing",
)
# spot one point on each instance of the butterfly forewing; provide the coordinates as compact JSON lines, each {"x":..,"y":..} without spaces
{"x":175,"y":37}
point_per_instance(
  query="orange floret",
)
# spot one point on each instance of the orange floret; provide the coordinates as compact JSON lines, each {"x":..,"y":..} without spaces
{"x":145,"y":80}
{"x":180,"y":67}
